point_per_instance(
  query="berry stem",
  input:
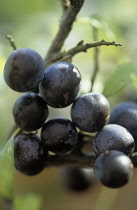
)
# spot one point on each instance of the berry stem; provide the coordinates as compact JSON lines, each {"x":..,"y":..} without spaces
{"x":17,"y":132}
{"x":134,"y":159}
{"x":12,"y":42}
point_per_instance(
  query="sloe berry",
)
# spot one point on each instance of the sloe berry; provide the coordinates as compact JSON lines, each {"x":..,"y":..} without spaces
{"x":30,"y":156}
{"x":113,"y":169}
{"x":77,"y":179}
{"x":30,"y":112}
{"x":60,"y":85}
{"x":59,"y":135}
{"x":90,"y":112}
{"x":113,"y":137}
{"x":125,"y":114}
{"x":24,"y":70}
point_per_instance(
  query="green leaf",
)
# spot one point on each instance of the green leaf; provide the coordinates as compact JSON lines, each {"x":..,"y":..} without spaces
{"x":93,"y":21}
{"x":119,"y":79}
{"x":135,"y":81}
{"x":7,"y":170}
{"x":27,"y":202}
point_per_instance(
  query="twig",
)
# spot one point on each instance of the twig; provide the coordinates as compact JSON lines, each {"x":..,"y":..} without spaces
{"x":96,"y":58}
{"x":12,"y":42}
{"x":83,"y":161}
{"x":77,"y":4}
{"x":64,"y":30}
{"x":65,"y":4}
{"x":8,"y":204}
{"x":79,"y":48}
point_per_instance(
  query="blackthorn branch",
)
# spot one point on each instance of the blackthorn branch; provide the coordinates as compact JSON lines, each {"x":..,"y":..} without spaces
{"x":64,"y":29}
{"x":63,"y":56}
{"x":72,"y":160}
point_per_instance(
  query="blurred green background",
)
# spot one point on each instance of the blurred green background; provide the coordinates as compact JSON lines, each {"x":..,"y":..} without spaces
{"x":34,"y":24}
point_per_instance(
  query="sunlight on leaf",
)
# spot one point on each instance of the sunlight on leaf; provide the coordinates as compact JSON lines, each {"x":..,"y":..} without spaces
{"x":119,"y":79}
{"x":99,"y":24}
{"x":7,"y":170}
{"x":2,"y":63}
{"x":94,"y":22}
{"x":135,"y":81}
{"x":27,"y":202}
{"x":106,"y":198}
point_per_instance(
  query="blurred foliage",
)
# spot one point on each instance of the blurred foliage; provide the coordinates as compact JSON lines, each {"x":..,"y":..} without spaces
{"x":27,"y":202}
{"x":12,"y":11}
{"x":7,"y":170}
{"x":119,"y":79}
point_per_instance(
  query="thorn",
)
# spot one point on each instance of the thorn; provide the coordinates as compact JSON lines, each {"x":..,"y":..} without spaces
{"x":80,"y":43}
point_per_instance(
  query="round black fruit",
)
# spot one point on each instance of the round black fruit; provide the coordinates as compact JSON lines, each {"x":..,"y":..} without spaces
{"x":30,"y":156}
{"x":59,"y":135}
{"x":77,"y":179}
{"x":24,"y":70}
{"x":113,"y":137}
{"x":60,"y":85}
{"x":113,"y":169}
{"x":90,"y":112}
{"x":30,"y":112}
{"x":125,"y":114}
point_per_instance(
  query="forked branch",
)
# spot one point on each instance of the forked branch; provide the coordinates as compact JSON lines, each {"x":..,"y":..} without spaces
{"x":65,"y":28}
{"x":63,"y":56}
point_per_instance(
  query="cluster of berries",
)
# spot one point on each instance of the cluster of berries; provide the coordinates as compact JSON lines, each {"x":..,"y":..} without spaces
{"x":59,"y":86}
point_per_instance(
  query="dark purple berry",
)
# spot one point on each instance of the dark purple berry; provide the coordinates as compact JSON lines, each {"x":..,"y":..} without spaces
{"x":113,"y":169}
{"x":30,"y":156}
{"x":77,"y":179}
{"x":24,"y":70}
{"x":30,"y":111}
{"x":59,"y":135}
{"x":125,"y":114}
{"x":113,"y":137}
{"x":90,"y":112}
{"x":60,"y":85}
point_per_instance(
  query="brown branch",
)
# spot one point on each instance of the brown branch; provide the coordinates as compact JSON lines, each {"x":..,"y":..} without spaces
{"x":64,"y":56}
{"x":12,"y":42}
{"x":83,"y":161}
{"x":8,"y":204}
{"x":77,"y":4}
{"x":64,"y":29}
{"x":81,"y":156}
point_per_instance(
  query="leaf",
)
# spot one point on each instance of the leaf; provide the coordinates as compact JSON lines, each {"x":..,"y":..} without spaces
{"x":27,"y":202}
{"x":7,"y":170}
{"x":119,"y":79}
{"x":135,"y":81}
{"x":94,"y":22}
